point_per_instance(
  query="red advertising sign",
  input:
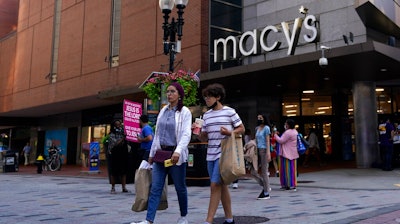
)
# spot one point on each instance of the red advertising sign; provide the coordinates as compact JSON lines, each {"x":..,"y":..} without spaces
{"x":132,"y":112}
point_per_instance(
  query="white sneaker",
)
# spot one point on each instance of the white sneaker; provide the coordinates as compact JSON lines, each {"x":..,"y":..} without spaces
{"x":235,"y":186}
{"x":182,"y":220}
{"x":142,"y":222}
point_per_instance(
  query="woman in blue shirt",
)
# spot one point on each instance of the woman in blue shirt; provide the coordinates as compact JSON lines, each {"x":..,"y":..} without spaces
{"x":264,"y":154}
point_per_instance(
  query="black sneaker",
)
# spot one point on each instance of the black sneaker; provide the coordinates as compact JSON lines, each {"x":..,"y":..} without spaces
{"x":233,"y":222}
{"x":263,"y":196}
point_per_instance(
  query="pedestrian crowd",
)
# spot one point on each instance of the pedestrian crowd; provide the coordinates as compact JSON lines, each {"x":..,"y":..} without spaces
{"x":165,"y":150}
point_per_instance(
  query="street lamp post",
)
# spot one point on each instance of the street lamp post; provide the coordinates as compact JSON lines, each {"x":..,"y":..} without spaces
{"x":173,"y":29}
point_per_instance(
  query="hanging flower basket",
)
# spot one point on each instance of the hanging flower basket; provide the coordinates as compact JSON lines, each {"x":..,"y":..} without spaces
{"x":153,"y":86}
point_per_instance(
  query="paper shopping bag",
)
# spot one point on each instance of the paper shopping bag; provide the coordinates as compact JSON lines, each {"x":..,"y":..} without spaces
{"x":231,"y":163}
{"x":142,"y":190}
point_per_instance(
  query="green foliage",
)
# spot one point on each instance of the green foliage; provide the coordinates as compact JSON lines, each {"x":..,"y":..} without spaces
{"x":189,"y":82}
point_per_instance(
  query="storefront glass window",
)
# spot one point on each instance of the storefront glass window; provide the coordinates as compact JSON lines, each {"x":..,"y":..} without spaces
{"x":350,"y":106}
{"x":313,"y":105}
{"x":94,"y":133}
{"x":225,"y":20}
{"x":226,"y":15}
{"x":383,"y":101}
{"x":291,"y":106}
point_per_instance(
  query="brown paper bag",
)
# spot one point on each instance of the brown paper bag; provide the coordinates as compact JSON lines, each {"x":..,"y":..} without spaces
{"x":142,"y":190}
{"x":231,"y":163}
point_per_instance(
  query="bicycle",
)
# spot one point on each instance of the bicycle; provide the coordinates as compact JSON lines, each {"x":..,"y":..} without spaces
{"x":53,"y":161}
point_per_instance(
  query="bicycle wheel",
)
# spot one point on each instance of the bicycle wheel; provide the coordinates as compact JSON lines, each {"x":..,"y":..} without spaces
{"x":55,"y":164}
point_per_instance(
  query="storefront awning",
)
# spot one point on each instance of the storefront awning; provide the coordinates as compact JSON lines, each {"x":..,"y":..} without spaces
{"x":372,"y":61}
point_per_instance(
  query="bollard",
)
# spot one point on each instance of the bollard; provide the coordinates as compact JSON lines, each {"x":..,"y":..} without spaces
{"x":39,"y":164}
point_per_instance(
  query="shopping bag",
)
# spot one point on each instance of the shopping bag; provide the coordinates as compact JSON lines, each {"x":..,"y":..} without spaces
{"x":142,"y":190}
{"x":301,"y":148}
{"x":231,"y":163}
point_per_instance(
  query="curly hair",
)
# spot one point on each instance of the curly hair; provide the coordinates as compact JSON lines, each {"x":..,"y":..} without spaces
{"x":215,"y":90}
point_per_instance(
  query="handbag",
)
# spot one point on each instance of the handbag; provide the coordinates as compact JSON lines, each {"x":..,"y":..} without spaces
{"x":301,"y":148}
{"x":231,"y":162}
{"x":162,"y":155}
{"x":142,"y":189}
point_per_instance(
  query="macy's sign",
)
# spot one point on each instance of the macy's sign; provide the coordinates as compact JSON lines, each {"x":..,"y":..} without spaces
{"x":236,"y":46}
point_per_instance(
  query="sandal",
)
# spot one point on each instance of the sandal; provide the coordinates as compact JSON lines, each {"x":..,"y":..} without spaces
{"x":112,"y":190}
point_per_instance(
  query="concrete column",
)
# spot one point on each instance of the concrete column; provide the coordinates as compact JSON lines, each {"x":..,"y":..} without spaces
{"x":365,"y":123}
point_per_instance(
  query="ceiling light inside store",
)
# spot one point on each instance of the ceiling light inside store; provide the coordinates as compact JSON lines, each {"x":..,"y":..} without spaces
{"x":324,"y":108}
{"x":319,"y":112}
{"x":290,"y":106}
{"x":291,"y":115}
{"x":291,"y":111}
{"x":308,"y":91}
{"x":305,"y":99}
{"x":379,"y":89}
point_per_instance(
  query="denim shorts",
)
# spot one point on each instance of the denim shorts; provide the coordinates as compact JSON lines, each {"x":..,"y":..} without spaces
{"x":213,"y":171}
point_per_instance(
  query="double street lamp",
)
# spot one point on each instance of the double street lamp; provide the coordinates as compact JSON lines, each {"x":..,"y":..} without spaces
{"x":173,"y":29}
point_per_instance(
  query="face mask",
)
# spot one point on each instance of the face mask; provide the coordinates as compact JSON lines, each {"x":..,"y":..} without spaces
{"x":260,"y":122}
{"x":212,"y":106}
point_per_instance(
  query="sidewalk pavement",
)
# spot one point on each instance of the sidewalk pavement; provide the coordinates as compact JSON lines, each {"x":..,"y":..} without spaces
{"x":340,"y":195}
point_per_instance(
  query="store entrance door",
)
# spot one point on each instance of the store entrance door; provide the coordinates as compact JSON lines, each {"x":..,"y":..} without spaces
{"x":323,"y":129}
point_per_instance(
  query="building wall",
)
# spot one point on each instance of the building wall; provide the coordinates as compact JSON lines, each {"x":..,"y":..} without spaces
{"x":7,"y":51}
{"x":336,"y":18}
{"x":84,"y":45}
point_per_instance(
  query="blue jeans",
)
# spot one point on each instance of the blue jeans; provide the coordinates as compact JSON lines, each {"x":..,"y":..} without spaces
{"x":178,"y":175}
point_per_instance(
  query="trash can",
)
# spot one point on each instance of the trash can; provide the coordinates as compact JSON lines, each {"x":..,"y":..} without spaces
{"x":10,"y":162}
{"x":196,"y":172}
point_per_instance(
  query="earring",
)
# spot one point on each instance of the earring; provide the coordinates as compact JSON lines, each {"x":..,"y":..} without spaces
{"x":179,"y":98}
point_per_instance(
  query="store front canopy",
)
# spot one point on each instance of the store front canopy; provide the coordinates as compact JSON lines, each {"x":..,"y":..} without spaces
{"x":370,"y":61}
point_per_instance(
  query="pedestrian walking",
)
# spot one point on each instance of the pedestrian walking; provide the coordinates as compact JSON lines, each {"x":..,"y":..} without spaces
{"x":26,"y":151}
{"x":219,"y":123}
{"x":172,"y":136}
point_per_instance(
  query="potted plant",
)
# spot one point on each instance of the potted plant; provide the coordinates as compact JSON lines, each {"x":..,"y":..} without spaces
{"x":158,"y":83}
